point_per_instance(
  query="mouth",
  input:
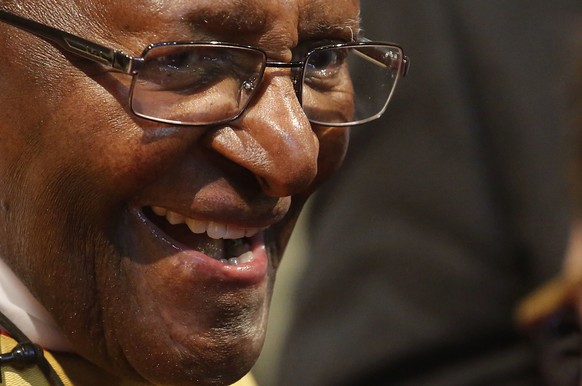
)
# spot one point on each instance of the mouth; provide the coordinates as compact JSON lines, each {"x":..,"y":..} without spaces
{"x":228,"y":244}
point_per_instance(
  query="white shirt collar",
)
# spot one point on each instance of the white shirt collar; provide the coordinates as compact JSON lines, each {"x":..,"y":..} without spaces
{"x":22,"y":308}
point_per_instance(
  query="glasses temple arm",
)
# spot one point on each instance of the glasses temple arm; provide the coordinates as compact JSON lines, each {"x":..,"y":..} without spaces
{"x":380,"y":58}
{"x":71,"y":43}
{"x":405,"y":65}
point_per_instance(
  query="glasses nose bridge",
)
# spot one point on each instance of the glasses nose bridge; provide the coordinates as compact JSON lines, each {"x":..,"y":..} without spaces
{"x":297,"y":69}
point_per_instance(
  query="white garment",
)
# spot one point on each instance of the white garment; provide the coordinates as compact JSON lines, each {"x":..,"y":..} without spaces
{"x":18,"y":305}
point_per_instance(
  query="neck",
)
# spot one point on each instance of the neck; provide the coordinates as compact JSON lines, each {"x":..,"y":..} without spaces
{"x":22,"y":308}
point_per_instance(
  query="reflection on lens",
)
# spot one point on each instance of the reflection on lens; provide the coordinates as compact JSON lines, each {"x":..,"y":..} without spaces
{"x":210,"y":83}
{"x":346,"y":85}
{"x":195,"y":83}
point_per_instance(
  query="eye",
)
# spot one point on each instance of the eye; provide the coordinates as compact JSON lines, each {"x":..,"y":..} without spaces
{"x":326,"y":69}
{"x":325,"y":60}
{"x":177,"y":60}
{"x":186,"y":69}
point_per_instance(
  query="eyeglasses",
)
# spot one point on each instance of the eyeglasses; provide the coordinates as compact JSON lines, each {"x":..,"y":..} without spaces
{"x":207,"y":83}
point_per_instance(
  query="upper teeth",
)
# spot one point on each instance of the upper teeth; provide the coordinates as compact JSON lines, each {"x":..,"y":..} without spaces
{"x":214,"y":230}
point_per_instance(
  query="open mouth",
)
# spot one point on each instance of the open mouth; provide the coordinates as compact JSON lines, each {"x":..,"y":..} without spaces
{"x":223,"y":242}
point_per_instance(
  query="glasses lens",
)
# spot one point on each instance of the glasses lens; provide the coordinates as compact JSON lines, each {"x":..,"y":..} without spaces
{"x":348,"y":85}
{"x":196,"y":84}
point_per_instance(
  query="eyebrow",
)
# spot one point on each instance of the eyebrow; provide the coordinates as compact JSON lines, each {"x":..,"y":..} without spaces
{"x":217,"y":22}
{"x":322,"y":24}
{"x":347,"y":31}
{"x":222,"y":22}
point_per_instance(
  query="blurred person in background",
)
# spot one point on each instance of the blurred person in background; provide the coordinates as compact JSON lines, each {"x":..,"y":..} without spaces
{"x":552,"y":314}
{"x":448,"y":211}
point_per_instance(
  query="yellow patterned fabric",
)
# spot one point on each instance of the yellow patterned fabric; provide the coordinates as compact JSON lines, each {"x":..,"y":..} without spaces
{"x":71,"y":369}
{"x":24,"y":376}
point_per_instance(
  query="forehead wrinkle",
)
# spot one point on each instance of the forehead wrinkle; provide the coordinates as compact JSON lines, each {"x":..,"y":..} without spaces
{"x":282,"y":36}
{"x":273,"y":29}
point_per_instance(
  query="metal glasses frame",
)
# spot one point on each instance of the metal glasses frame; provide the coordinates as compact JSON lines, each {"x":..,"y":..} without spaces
{"x":121,"y":62}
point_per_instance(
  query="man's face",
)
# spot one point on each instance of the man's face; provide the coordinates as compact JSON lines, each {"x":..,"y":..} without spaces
{"x":89,"y":192}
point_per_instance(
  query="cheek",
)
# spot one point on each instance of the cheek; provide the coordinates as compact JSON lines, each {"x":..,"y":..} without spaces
{"x":94,"y":136}
{"x":332,"y":150}
{"x":49,"y":228}
{"x":26,"y":158}
{"x":69,"y":157}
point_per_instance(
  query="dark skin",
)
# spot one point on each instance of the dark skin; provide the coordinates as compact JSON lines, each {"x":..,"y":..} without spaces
{"x":80,"y":173}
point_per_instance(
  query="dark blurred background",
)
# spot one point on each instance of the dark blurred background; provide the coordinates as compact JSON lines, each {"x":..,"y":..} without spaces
{"x":409,"y":264}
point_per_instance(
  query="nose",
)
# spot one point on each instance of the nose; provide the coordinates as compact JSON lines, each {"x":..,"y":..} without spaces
{"x":273,"y":138}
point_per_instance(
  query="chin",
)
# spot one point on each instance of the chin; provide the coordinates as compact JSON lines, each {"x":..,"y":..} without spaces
{"x":175,"y":311}
{"x":222,"y":362}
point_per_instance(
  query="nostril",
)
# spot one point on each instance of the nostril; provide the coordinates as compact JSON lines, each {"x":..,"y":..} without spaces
{"x":273,"y":140}
{"x":273,"y":190}
{"x":286,"y":184}
{"x":263,"y":183}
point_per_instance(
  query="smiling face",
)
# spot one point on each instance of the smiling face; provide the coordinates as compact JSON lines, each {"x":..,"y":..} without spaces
{"x":155,"y":246}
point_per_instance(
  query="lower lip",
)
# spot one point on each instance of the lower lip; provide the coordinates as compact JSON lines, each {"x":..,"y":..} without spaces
{"x":250,"y":273}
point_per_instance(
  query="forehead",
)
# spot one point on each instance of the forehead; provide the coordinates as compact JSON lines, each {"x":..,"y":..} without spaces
{"x":275,"y":22}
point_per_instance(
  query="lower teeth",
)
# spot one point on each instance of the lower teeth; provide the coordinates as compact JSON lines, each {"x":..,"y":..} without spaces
{"x":239,"y":249}
{"x":246,"y":257}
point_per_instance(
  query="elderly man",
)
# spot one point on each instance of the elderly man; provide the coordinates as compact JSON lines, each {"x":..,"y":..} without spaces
{"x":147,"y":194}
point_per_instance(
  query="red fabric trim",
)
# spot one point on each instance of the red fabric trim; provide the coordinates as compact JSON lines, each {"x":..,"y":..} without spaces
{"x":5,"y":333}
